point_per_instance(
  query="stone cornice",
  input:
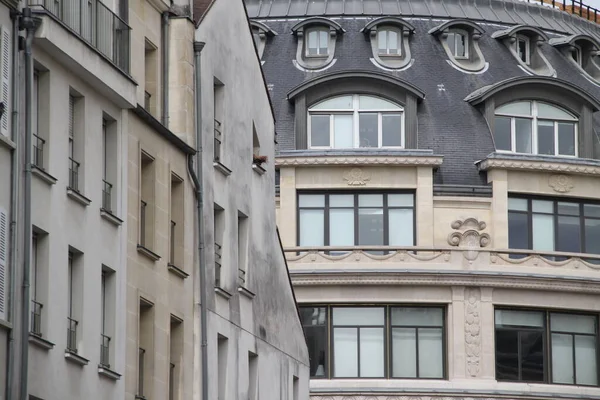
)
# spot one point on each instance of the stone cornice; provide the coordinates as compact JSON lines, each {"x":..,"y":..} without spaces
{"x":581,"y":167}
{"x":416,"y":161}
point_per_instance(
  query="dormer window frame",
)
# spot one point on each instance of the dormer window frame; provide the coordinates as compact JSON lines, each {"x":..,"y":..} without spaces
{"x":457,"y":33}
{"x":390,"y":61}
{"x":520,"y":38}
{"x":319,"y":31}
{"x":451,"y":33}
{"x":532,"y":59}
{"x":324,"y":28}
{"x":386,"y":29}
{"x":577,"y":54}
{"x":260,"y":34}
{"x":582,"y":51}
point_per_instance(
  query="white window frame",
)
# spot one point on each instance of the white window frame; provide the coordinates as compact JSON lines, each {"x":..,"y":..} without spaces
{"x":579,"y":51}
{"x":527,"y":41}
{"x":316,"y":30}
{"x":355,"y":111}
{"x":534,"y":129}
{"x":387,"y":53}
{"x":457,"y":33}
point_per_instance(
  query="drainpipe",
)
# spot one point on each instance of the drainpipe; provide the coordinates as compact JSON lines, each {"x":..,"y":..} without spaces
{"x":29,"y":25}
{"x":165,"y":69}
{"x":197,"y":177}
{"x":14,"y":187}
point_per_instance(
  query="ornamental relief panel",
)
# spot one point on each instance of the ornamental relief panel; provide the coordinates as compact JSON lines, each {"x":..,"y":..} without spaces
{"x":473,"y":330}
{"x":467,"y":235}
{"x":561,"y":183}
{"x":357,"y":177}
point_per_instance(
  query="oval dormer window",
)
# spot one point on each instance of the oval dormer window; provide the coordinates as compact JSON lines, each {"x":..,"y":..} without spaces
{"x":388,"y":42}
{"x":317,"y":43}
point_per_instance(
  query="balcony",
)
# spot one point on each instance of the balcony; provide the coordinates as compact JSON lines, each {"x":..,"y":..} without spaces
{"x":105,"y":351}
{"x":218,"y":250}
{"x":38,"y":151}
{"x":218,"y":138}
{"x":36,"y":318}
{"x":444,"y":266}
{"x":72,"y":335}
{"x":73,"y":174}
{"x":106,"y":196}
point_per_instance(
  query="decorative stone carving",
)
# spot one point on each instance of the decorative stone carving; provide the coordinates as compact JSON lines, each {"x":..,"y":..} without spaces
{"x":473,"y":330}
{"x":408,"y":160}
{"x":561,"y":183}
{"x":582,"y":168}
{"x":469,"y":239}
{"x":357,"y":177}
{"x":469,"y":222}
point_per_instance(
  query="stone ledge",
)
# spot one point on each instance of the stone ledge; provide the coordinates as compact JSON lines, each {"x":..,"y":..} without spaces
{"x":43,"y":175}
{"x":258,"y":169}
{"x":110,"y":217}
{"x":532,"y":162}
{"x":76,"y":358}
{"x":223,"y":293}
{"x":177,"y":271}
{"x":6,"y":142}
{"x":358,"y":157}
{"x":245,"y":292}
{"x":221,"y":168}
{"x":40,"y":342}
{"x":148,"y":253}
{"x":78,"y":197}
{"x":108,"y":373}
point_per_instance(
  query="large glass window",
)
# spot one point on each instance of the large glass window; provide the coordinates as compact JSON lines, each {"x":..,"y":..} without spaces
{"x":317,"y":42}
{"x":375,"y":341}
{"x":458,"y":42}
{"x":352,"y":219}
{"x":536,"y":128}
{"x":553,"y":225}
{"x":353,"y":121}
{"x":388,"y":41}
{"x":539,"y":346}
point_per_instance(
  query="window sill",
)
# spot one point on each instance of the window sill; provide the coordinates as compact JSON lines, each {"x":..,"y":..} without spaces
{"x":40,"y":342}
{"x":148,"y":253}
{"x":258,"y":169}
{"x":78,"y":197}
{"x":177,"y":271}
{"x":6,"y":142}
{"x":110,"y":217}
{"x":223,"y":293}
{"x":43,"y":175}
{"x":245,"y":292}
{"x":76,"y":358}
{"x":138,"y":397}
{"x":108,"y":373}
{"x":221,"y":168}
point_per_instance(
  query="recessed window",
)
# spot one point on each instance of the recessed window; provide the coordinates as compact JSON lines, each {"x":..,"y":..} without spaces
{"x":317,"y":42}
{"x":350,"y":219}
{"x":458,"y":43}
{"x":577,"y":55}
{"x":388,"y":42}
{"x":375,"y":341}
{"x":538,"y":346}
{"x":536,"y":128}
{"x":553,"y":225}
{"x":354,"y":121}
{"x":523,"y":44}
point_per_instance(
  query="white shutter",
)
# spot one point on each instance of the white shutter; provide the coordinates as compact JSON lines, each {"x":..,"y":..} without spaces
{"x":5,"y":95}
{"x":3,"y":260}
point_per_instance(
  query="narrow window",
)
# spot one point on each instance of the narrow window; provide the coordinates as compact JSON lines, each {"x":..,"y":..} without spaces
{"x":315,"y":323}
{"x":38,"y":141}
{"x":523,"y":44}
{"x":177,"y":222}
{"x":147,"y":201}
{"x":76,"y":145}
{"x":109,"y":163}
{"x":176,"y":356}
{"x":108,"y":310}
{"x":252,"y":376}
{"x":242,"y":248}
{"x":151,"y":77}
{"x":458,"y":42}
{"x":75,"y":297}
{"x":295,"y":387}
{"x":317,"y":44}
{"x":145,"y":350}
{"x":219,"y":229}
{"x":219,"y":103}
{"x":577,"y":54}
{"x":36,"y":305}
{"x":388,"y":42}
{"x":222,"y":359}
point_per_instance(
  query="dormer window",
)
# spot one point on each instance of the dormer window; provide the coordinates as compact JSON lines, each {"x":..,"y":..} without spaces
{"x":389,"y":37}
{"x":388,"y":41}
{"x":460,"y":40}
{"x":583,"y":51}
{"x":318,"y":42}
{"x":576,"y":54}
{"x":525,"y":44}
{"x":260,"y":33}
{"x":523,"y":48}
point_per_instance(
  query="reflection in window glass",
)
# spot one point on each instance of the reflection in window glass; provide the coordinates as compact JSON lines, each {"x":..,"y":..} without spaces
{"x":368,"y":130}
{"x":545,"y":137}
{"x":314,"y":322}
{"x":319,"y":128}
{"x":342,"y":131}
{"x":523,"y":135}
{"x":391,"y":130}
{"x":317,"y":42}
{"x":566,"y":138}
{"x":388,"y":41}
{"x":502,"y":133}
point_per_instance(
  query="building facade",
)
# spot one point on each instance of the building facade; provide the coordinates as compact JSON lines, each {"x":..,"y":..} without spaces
{"x":438,"y":194}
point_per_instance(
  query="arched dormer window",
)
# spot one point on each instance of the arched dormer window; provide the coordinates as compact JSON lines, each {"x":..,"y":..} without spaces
{"x":354,"y":121}
{"x":260,"y":33}
{"x":460,"y":40}
{"x":316,"y":42}
{"x":389,"y":37}
{"x":583,"y":51}
{"x":524,"y":43}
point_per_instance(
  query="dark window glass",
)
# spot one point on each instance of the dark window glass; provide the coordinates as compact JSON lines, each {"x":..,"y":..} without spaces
{"x":566,"y":138}
{"x":523,"y":135}
{"x":546,"y":137}
{"x":391,"y":127}
{"x":368,"y":126}
{"x":319,"y":130}
{"x":502,"y":133}
{"x":518,"y":230}
{"x":569,"y":238}
{"x":314,"y":321}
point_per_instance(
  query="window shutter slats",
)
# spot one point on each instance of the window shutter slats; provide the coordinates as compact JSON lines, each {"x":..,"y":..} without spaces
{"x":3,"y":260}
{"x":5,"y":95}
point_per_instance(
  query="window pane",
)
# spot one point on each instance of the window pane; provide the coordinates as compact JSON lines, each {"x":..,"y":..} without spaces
{"x":404,"y":353}
{"x":569,"y":238}
{"x":532,"y":356}
{"x":336,"y":103}
{"x":319,"y":130}
{"x":507,"y":318}
{"x":517,"y":204}
{"x":376,"y":103}
{"x":371,"y":352}
{"x":393,"y":42}
{"x":451,"y":40}
{"x":382,"y":41}
{"x":341,"y":227}
{"x":312,"y":223}
{"x":342,"y":131}
{"x":314,"y":320}
{"x":311,"y":200}
{"x":345,"y":352}
{"x":358,"y":316}
{"x":370,"y":226}
{"x":400,"y":200}
{"x":502,"y":133}
{"x":323,"y":42}
{"x":523,"y":135}
{"x":543,"y":232}
{"x":401,"y":227}
{"x":515,"y":108}
{"x":312,"y":42}
{"x":518,"y":231}
{"x":566,"y":139}
{"x":341,"y":200}
{"x":417,"y":316}
{"x":391,"y":130}
{"x":542,"y":206}
{"x":507,"y":355}
{"x":431,"y":359}
{"x":546,"y":110}
{"x":368,"y":134}
{"x":573,"y":323}
{"x":460,"y":45}
{"x":522,"y":49}
{"x":370,"y":200}
{"x":591,"y":210}
{"x":567,"y":208}
{"x":585,"y":360}
{"x":592,"y":235}
{"x":313,"y":316}
{"x":545,"y":137}
{"x":562,"y":359}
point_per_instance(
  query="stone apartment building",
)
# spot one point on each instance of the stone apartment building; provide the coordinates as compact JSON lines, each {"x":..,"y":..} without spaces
{"x":438,"y":194}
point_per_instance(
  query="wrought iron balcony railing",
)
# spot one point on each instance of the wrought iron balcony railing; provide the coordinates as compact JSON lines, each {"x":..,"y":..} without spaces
{"x":105,"y":351}
{"x":73,"y":174}
{"x":576,"y":7}
{"x":72,"y":335}
{"x":38,"y":151}
{"x":218,"y":137}
{"x":106,"y":196}
{"x":218,"y":249}
{"x":36,"y":318}
{"x":96,"y":24}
